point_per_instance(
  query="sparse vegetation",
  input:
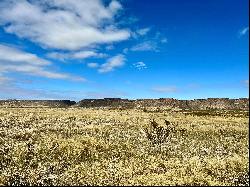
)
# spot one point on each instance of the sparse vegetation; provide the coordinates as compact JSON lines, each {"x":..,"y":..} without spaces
{"x":122,"y":147}
{"x":232,"y":113}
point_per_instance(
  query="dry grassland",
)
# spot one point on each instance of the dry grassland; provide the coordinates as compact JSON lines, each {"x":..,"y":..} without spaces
{"x":121,"y":147}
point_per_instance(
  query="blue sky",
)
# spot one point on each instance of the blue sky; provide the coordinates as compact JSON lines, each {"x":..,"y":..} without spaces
{"x":76,"y":49}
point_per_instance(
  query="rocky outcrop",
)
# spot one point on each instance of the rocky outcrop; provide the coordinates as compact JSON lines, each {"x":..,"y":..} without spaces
{"x":36,"y":103}
{"x":106,"y":102}
{"x":220,"y":103}
{"x":196,"y":104}
{"x":199,"y":104}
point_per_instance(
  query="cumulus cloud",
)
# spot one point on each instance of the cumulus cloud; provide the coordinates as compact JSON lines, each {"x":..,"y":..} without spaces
{"x":143,"y":31}
{"x":93,"y":65}
{"x":14,"y":55}
{"x":140,"y":65}
{"x":38,"y":71}
{"x":64,"y":24}
{"x":165,"y":89}
{"x":112,"y":63}
{"x":15,"y":60}
{"x":145,"y":46}
{"x":243,"y":31}
{"x":75,"y":55}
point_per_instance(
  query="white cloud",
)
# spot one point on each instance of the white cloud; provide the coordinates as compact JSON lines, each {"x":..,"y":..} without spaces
{"x":243,"y":31}
{"x":149,"y":43}
{"x":33,"y":70}
{"x":143,"y":31}
{"x":57,"y":56}
{"x":64,"y":24}
{"x":114,"y":6}
{"x":140,"y":32}
{"x":14,"y":55}
{"x":128,"y":21}
{"x":125,"y":50}
{"x":93,"y":65}
{"x":165,"y":89}
{"x":110,"y":47}
{"x":15,"y":60}
{"x":4,"y":80}
{"x":84,"y":54}
{"x":140,"y":65}
{"x":145,"y":46}
{"x":75,"y":55}
{"x":112,"y":63}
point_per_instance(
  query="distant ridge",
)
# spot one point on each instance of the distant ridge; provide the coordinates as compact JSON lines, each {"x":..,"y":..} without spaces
{"x":196,"y":104}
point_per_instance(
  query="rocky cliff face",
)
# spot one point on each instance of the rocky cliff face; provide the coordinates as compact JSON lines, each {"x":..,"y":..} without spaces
{"x":197,"y":104}
{"x":217,"y":103}
{"x":106,"y":102}
{"x":36,"y":103}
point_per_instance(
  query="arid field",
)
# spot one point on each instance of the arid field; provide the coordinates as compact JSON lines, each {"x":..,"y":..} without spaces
{"x":74,"y":146}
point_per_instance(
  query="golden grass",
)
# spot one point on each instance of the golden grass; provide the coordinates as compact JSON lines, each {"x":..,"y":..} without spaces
{"x":111,"y":147}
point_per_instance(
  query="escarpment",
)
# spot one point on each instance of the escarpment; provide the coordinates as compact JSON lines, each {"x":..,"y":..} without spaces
{"x":196,"y":104}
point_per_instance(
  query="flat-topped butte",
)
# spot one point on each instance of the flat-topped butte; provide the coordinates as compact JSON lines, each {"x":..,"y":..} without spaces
{"x":196,"y":104}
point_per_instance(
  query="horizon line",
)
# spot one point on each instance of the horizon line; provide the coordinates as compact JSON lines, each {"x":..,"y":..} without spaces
{"x":117,"y":98}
